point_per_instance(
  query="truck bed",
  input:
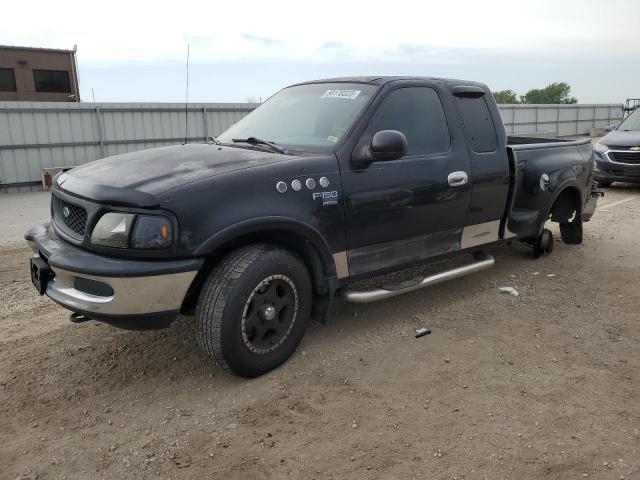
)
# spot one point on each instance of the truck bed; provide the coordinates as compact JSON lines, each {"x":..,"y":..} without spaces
{"x":532,"y":158}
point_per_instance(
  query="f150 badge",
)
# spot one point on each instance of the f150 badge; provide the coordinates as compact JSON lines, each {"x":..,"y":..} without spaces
{"x":328,"y":198}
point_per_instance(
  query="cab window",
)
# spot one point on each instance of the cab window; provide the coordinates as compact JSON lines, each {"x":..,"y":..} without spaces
{"x":478,"y":123}
{"x":418,"y":113}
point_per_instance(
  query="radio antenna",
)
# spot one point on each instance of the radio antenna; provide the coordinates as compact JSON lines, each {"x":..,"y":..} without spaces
{"x":186,"y":102}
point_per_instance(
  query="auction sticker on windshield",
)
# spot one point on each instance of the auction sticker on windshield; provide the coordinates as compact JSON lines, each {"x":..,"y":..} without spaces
{"x":348,"y":94}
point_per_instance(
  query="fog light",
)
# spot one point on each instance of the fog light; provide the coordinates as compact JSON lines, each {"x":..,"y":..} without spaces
{"x":92,"y":287}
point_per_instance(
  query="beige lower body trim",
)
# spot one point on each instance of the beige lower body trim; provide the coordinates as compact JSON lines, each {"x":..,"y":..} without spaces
{"x":480,"y":234}
{"x":342,"y":264}
{"x":509,"y":234}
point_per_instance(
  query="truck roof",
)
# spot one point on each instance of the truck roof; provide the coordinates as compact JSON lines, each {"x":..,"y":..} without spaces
{"x":381,"y":80}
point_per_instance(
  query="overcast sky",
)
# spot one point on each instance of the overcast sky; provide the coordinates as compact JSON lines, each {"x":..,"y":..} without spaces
{"x":136,"y":50}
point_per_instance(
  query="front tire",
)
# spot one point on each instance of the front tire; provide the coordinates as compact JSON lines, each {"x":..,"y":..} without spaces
{"x":253,"y":309}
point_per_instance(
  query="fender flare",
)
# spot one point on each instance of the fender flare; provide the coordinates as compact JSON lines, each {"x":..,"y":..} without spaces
{"x":569,"y":183}
{"x":271,"y":223}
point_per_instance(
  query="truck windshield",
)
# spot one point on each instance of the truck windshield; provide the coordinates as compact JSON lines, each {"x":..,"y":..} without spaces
{"x":311,"y":117}
{"x":631,"y":123}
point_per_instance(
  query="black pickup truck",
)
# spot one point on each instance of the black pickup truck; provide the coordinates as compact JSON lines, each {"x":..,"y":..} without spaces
{"x":326,"y":183}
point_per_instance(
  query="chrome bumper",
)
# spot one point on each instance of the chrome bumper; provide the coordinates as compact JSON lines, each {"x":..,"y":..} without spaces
{"x":131,"y":295}
{"x":106,"y":288}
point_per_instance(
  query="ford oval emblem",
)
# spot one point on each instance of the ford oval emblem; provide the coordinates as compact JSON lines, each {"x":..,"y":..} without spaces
{"x":66,"y":212}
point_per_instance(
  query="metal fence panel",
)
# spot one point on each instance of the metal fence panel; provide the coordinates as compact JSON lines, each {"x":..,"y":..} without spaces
{"x":559,"y":120}
{"x":35,"y":135}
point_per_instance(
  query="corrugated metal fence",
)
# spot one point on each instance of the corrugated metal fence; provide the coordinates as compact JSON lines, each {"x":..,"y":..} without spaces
{"x":561,"y":120}
{"x":36,"y":135}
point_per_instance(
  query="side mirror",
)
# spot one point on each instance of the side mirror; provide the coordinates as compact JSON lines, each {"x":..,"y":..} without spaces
{"x":609,"y":128}
{"x":387,"y":145}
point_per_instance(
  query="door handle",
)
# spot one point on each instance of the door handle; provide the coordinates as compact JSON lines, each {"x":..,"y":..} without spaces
{"x":457,"y":179}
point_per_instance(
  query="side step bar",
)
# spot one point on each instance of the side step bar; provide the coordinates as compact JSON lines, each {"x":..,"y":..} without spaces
{"x":483,"y":261}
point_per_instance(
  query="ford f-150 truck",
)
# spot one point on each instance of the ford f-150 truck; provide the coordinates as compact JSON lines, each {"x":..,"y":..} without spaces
{"x":326,"y":183}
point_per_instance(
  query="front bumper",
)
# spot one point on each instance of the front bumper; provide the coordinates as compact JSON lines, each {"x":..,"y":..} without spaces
{"x":606,"y":170}
{"x":127,"y":293}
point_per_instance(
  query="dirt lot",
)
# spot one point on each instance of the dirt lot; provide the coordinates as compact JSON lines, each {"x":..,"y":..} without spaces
{"x":543,"y":385}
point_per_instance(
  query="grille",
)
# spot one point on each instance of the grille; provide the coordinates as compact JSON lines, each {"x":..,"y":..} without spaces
{"x":625,"y":157}
{"x":76,"y":220}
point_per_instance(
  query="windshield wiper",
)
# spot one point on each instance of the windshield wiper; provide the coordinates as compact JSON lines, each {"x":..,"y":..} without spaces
{"x":259,"y":141}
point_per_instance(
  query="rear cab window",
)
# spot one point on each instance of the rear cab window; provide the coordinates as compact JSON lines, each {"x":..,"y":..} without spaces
{"x":478,"y":123}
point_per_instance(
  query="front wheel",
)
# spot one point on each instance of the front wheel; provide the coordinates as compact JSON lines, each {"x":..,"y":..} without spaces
{"x":253,"y":309}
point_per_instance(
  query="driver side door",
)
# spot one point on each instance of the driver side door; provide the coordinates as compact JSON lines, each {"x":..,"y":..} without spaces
{"x":402,"y":211}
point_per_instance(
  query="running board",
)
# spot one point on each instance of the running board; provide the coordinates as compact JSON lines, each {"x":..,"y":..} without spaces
{"x":483,"y":261}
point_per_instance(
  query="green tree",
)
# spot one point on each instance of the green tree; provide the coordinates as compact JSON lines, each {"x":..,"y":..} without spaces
{"x":554,"y":93}
{"x":506,"y":96}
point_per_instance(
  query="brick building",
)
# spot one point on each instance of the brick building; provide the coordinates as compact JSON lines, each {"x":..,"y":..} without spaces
{"x":38,"y":74}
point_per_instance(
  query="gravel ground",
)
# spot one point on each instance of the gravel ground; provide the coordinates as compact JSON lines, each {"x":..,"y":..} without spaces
{"x":542,"y":385}
{"x":19,"y":211}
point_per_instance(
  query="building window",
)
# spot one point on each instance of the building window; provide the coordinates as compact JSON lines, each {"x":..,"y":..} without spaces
{"x":56,"y":81}
{"x":7,"y":80}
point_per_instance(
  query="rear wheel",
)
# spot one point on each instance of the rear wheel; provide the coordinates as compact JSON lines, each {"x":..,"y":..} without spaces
{"x":253,"y":309}
{"x":571,"y":232}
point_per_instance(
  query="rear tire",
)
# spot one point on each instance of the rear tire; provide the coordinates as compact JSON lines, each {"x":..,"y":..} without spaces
{"x":253,"y":309}
{"x":571,"y":232}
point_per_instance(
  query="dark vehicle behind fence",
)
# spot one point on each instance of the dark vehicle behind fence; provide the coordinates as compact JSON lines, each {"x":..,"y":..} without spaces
{"x":618,"y":153}
{"x":326,"y":183}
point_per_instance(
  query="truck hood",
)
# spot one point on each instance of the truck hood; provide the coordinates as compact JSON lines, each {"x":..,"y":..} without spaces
{"x":137,"y":177}
{"x":620,"y":138}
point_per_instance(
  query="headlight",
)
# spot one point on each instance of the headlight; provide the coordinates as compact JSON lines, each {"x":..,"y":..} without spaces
{"x":112,"y":230}
{"x":149,"y":231}
{"x":152,"y":232}
{"x":601,"y":147}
